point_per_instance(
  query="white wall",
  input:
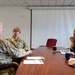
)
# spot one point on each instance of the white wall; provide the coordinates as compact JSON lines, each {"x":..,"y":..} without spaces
{"x":16,"y":16}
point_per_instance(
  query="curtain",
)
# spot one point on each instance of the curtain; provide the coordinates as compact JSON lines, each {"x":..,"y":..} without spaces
{"x":57,"y":24}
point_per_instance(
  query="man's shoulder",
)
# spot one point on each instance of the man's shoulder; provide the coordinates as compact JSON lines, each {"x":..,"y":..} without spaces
{"x":11,"y":39}
{"x":20,"y":39}
{"x":3,"y":41}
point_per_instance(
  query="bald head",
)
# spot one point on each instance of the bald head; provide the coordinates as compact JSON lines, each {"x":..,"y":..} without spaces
{"x":1,"y":28}
{"x":1,"y":24}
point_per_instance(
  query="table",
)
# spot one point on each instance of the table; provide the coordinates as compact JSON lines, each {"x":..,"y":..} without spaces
{"x":54,"y":64}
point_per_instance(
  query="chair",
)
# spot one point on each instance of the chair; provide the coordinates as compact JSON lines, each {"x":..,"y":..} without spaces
{"x":51,"y":42}
{"x":13,"y":65}
{"x":7,"y":39}
{"x":17,"y":60}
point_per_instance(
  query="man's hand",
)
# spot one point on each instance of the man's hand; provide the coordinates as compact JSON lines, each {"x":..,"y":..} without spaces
{"x":28,"y":52}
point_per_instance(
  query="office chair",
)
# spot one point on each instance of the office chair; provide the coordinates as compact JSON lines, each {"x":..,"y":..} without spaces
{"x":51,"y":42}
{"x":13,"y":65}
{"x":7,"y":39}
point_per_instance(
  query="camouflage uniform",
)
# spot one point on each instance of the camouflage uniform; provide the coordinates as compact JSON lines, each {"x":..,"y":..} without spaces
{"x":9,"y":71}
{"x":18,"y":43}
{"x":7,"y":51}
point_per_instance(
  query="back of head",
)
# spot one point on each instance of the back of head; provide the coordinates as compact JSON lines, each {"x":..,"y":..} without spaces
{"x":74,"y":33}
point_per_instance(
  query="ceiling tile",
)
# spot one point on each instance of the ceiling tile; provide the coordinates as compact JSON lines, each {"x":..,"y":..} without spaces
{"x":29,"y":2}
{"x":2,"y":3}
{"x":67,"y":2}
{"x":44,"y":2}
{"x":52,"y":2}
{"x":60,"y":2}
{"x":73,"y":2}
{"x":22,"y":3}
{"x":37,"y":2}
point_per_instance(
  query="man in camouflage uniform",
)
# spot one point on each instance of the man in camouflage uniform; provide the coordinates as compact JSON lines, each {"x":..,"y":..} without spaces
{"x":7,"y":52}
{"x":16,"y":41}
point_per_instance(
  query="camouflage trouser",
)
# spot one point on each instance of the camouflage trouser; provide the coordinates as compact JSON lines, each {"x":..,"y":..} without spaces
{"x":9,"y":71}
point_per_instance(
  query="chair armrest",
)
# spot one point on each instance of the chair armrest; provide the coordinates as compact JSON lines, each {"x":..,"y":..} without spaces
{"x":42,"y":46}
{"x":17,"y":60}
{"x":5,"y":66}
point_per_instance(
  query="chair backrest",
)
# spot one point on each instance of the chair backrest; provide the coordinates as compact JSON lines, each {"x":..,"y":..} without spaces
{"x":7,"y":39}
{"x":51,"y":42}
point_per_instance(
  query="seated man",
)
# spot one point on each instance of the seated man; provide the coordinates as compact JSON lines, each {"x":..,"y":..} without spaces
{"x":72,"y":39}
{"x":7,"y":52}
{"x":16,"y":41}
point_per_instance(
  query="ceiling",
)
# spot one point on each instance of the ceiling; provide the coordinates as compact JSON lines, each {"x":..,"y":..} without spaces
{"x":36,"y":3}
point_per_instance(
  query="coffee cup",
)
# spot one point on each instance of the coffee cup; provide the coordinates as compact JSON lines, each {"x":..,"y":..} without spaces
{"x":54,"y":48}
{"x":68,"y":55}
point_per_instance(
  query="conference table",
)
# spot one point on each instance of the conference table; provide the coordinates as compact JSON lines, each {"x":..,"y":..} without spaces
{"x":54,"y":64}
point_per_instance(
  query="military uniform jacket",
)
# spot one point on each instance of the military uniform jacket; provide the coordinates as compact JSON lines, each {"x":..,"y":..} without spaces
{"x":18,"y":43}
{"x":7,"y":51}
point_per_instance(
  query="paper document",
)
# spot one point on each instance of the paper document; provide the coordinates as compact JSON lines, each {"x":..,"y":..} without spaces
{"x":33,"y":62}
{"x":65,"y":51}
{"x":71,"y":59}
{"x":35,"y":57}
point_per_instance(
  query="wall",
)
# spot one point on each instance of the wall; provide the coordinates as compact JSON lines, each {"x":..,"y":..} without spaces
{"x":16,"y":16}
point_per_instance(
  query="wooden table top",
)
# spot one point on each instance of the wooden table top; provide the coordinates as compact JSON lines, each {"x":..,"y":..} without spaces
{"x":54,"y":64}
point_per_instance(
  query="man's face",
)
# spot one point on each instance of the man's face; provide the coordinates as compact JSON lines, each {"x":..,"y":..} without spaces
{"x":16,"y":33}
{"x":1,"y":28}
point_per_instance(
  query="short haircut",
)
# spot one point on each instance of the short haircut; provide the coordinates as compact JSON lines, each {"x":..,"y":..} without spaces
{"x":17,"y":29}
